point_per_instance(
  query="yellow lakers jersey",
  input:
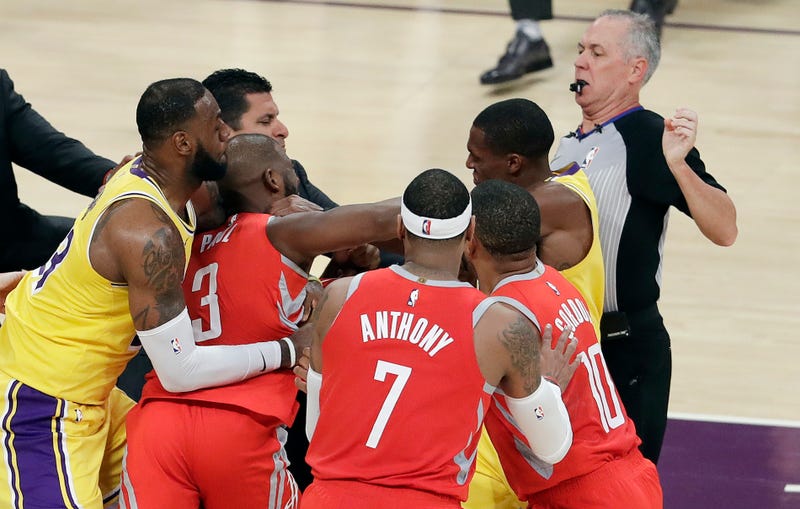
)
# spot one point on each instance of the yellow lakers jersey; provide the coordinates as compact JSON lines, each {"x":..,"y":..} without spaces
{"x":588,"y":275}
{"x":68,"y":330}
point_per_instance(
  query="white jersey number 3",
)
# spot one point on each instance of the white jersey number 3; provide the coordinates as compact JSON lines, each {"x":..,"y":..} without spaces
{"x":402,"y":373}
{"x":210,"y":299}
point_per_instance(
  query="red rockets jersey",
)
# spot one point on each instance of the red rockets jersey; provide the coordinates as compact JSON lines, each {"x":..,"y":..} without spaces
{"x":402,"y":398}
{"x":240,"y":289}
{"x":601,"y":428}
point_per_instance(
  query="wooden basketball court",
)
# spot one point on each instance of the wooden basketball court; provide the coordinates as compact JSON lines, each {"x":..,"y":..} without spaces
{"x":373,"y":92}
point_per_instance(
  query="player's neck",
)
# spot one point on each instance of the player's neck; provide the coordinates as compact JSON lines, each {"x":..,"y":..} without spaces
{"x":430,"y":269}
{"x":534,"y":175}
{"x":506,"y":268}
{"x":176,"y":185}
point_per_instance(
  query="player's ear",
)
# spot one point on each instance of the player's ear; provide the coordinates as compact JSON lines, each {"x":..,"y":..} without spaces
{"x":470,"y":233}
{"x":514,"y":163}
{"x":471,"y":240}
{"x":401,"y":228}
{"x":182,"y":142}
{"x":271,"y":180}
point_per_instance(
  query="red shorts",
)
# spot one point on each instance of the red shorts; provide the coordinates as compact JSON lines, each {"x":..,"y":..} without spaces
{"x":356,"y":495}
{"x":631,"y":481}
{"x":188,"y":455}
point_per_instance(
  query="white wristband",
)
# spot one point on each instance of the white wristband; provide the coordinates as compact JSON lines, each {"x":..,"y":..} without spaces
{"x":292,"y":352}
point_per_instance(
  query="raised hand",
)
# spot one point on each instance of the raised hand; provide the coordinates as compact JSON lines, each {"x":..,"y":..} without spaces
{"x":680,"y":133}
{"x":556,"y":360}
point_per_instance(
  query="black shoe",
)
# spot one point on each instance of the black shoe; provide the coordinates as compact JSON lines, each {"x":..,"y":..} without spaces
{"x":656,"y":9}
{"x":523,"y":55}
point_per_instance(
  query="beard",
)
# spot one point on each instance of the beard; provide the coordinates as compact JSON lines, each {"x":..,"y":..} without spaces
{"x":205,"y":167}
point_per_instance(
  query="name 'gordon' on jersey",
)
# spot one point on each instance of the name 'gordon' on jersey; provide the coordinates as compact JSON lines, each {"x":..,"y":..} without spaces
{"x":404,"y":327}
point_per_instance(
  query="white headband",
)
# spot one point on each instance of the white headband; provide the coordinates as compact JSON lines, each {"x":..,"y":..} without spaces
{"x":433,"y":228}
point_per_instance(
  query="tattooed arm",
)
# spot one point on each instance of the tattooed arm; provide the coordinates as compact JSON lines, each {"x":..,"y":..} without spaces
{"x":136,"y":243}
{"x":507,"y":346}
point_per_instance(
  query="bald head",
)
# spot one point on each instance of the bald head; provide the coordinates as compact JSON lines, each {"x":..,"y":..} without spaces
{"x":259,"y":171}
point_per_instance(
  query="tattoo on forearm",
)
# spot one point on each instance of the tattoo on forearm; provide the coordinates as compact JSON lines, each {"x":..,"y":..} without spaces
{"x":519,"y":340}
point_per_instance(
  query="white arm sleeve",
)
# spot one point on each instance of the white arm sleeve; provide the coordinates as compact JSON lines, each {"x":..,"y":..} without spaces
{"x":184,"y":366}
{"x":313,"y":386}
{"x":543,"y":419}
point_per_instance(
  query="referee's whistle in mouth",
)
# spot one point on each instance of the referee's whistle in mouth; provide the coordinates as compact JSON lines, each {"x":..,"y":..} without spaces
{"x":577,"y":86}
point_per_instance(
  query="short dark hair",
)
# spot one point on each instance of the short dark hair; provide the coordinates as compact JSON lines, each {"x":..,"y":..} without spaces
{"x":516,"y":126}
{"x":507,"y":220}
{"x":248,"y":155}
{"x":165,"y":106}
{"x":230,"y":87}
{"x":437,"y":194}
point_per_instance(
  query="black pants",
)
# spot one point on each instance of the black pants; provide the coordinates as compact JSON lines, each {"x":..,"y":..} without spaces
{"x":32,"y":240}
{"x":297,"y":446}
{"x":640,"y":364}
{"x":531,"y":9}
{"x":132,"y":379}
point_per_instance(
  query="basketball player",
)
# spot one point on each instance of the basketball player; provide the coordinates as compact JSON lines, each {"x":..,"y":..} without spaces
{"x":404,"y":362}
{"x":246,"y":280}
{"x":510,"y":140}
{"x":70,"y":324}
{"x":603,"y":468}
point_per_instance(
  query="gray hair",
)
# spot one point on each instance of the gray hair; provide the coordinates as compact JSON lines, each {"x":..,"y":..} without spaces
{"x":642,"y":41}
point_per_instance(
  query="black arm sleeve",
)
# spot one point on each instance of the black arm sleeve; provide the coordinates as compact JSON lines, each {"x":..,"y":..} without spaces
{"x":309,"y":191}
{"x":649,"y":176}
{"x":31,"y":142}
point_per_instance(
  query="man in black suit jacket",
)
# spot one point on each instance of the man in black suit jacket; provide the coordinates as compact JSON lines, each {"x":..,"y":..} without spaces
{"x":245,"y":99}
{"x":28,"y":140}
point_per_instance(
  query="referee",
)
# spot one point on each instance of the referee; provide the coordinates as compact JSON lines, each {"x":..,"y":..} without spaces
{"x":639,"y":164}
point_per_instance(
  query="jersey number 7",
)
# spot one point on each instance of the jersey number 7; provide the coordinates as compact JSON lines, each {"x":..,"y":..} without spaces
{"x":402,"y":374}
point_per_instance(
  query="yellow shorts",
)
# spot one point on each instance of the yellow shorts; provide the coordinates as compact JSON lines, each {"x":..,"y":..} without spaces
{"x":489,"y":488}
{"x":57,"y":453}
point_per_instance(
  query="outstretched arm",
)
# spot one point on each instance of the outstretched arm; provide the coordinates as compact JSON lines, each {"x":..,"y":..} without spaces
{"x":302,"y":236}
{"x":712,"y":209}
{"x":36,"y":145}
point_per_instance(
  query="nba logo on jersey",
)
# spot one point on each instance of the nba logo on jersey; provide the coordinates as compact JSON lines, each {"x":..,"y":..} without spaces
{"x":412,"y":298}
{"x":539,"y":413}
{"x":552,"y":287}
{"x":589,"y":157}
{"x":426,"y":226}
{"x":176,"y":345}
